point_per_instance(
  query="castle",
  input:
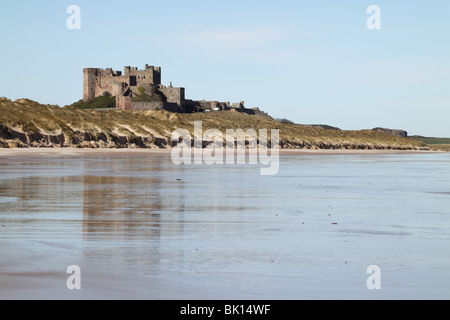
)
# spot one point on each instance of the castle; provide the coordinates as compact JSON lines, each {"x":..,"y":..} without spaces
{"x":142,"y":90}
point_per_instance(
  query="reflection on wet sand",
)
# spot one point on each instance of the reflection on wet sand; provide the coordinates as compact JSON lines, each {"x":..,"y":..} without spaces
{"x":112,"y":206}
{"x":127,"y":207}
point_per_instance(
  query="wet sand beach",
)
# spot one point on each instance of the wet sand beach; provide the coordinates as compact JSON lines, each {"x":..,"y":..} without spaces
{"x":140,"y":227}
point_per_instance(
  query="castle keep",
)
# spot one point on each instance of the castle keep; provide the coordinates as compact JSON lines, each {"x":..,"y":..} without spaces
{"x":142,"y":90}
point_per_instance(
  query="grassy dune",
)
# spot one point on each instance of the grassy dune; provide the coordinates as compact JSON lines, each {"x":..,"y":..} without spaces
{"x":25,"y":123}
{"x":439,"y":147}
{"x":431,"y":140}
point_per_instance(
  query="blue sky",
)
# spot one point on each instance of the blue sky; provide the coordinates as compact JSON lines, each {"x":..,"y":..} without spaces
{"x":308,"y":61}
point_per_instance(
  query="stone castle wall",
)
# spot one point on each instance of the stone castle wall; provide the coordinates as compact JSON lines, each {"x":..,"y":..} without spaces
{"x":174,"y":96}
{"x":98,"y":82}
{"x":149,"y":76}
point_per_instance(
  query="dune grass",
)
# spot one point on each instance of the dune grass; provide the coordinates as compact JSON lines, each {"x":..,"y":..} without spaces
{"x":29,"y":116}
{"x":439,"y":147}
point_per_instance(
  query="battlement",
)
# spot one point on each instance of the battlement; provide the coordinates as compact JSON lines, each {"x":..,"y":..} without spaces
{"x":149,"y":76}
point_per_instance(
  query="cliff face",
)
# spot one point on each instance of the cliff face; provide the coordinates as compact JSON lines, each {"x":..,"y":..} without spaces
{"x":25,"y":123}
{"x":13,"y":138}
{"x":10,"y":138}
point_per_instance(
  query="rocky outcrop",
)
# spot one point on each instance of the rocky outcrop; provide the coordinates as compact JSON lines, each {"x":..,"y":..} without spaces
{"x":392,"y":132}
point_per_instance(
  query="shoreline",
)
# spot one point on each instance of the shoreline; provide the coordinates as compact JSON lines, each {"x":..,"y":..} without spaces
{"x":74,"y":152}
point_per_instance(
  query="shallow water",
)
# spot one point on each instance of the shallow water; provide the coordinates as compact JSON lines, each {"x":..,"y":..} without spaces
{"x":140,"y":227}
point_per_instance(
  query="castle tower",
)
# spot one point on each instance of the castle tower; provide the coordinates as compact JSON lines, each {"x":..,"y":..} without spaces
{"x":149,"y":76}
{"x":157,"y":76}
{"x":89,"y":81}
{"x":127,"y":70}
